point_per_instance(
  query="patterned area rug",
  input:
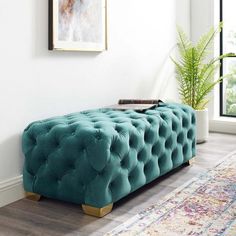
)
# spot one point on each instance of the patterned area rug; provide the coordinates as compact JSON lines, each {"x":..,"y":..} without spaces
{"x":206,"y":205}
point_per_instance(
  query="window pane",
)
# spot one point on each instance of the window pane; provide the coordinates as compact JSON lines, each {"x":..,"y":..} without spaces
{"x":229,"y":31}
{"x":228,"y":91}
{"x":229,"y":87}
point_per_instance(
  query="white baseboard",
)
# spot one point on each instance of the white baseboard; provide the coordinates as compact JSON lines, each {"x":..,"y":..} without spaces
{"x":11,"y":190}
{"x":223,"y":125}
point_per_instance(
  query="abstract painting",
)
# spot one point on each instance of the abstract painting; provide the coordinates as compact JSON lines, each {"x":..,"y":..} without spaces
{"x":77,"y":25}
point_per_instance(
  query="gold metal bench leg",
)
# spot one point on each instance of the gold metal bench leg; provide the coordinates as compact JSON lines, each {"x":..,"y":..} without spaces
{"x":32,"y":196}
{"x":190,"y":162}
{"x":98,"y":212}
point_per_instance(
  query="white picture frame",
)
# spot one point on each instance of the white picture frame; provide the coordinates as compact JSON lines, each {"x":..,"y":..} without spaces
{"x":78,"y":25}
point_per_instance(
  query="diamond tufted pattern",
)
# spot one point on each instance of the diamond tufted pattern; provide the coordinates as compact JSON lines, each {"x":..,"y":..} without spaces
{"x":97,"y":157}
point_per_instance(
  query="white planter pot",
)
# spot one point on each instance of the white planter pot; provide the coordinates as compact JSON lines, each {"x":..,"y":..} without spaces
{"x":202,"y":125}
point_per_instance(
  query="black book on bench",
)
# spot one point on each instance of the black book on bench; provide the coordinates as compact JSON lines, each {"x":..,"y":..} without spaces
{"x":135,"y":104}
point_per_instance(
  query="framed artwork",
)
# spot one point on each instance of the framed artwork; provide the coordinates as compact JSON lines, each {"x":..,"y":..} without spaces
{"x":78,"y":25}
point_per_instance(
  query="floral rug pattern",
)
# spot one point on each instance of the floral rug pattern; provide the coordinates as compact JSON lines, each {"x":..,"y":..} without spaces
{"x":206,"y":205}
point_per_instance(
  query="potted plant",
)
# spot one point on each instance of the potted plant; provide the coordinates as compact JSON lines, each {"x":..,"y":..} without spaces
{"x":195,"y":72}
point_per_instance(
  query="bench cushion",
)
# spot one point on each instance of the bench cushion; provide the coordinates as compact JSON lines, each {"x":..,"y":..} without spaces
{"x":97,"y":157}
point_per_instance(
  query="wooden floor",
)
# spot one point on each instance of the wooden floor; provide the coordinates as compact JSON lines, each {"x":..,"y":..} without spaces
{"x":49,"y":217}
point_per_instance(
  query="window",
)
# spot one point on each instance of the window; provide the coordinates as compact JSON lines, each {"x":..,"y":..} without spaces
{"x":228,"y":65}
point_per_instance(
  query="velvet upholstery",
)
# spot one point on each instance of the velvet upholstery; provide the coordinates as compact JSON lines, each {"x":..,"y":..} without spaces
{"x":96,"y":157}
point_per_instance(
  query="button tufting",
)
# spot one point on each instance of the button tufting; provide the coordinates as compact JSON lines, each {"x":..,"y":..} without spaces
{"x":122,"y":164}
{"x":112,"y":148}
{"x":48,"y":128}
{"x":131,"y":142}
{"x":150,"y":120}
{"x":185,"y":149}
{"x":162,"y":131}
{"x":71,"y":166}
{"x":139,"y":156}
{"x":193,"y":119}
{"x":174,"y":126}
{"x":190,"y":134}
{"x":163,"y":116}
{"x":174,"y":154}
{"x":180,"y":138}
{"x":153,"y":150}
{"x":146,"y":167}
{"x":185,"y":122}
{"x":98,"y":136}
{"x":57,"y":143}
{"x":117,"y":129}
{"x":33,"y":140}
{"x":169,"y":142}
{"x":145,"y":136}
{"x":175,"y":113}
{"x":58,"y":180}
{"x":134,"y":124}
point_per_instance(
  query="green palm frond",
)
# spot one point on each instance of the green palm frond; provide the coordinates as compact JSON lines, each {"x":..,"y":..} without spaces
{"x":195,"y":74}
{"x":206,"y":41}
{"x":183,"y":42}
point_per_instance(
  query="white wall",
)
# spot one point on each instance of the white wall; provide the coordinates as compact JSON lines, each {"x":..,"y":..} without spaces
{"x":202,"y":17}
{"x":36,"y":83}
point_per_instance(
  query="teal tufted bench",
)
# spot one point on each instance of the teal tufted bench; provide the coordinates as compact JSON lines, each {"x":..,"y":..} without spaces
{"x":97,"y":157}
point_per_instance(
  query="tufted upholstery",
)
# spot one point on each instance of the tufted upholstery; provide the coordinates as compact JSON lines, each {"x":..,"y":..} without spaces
{"x":97,"y":157}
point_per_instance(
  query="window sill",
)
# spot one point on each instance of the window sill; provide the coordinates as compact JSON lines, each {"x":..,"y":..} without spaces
{"x":223,"y":125}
